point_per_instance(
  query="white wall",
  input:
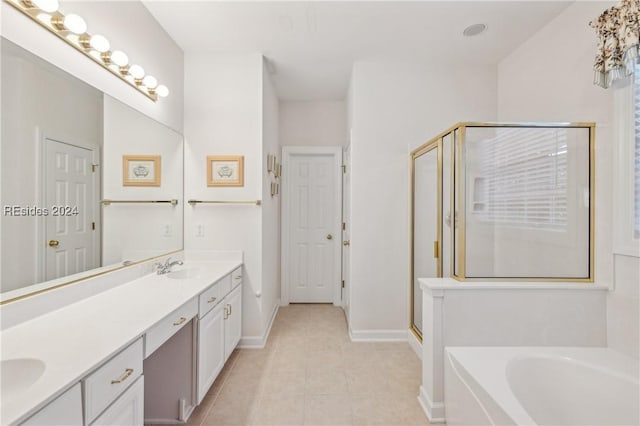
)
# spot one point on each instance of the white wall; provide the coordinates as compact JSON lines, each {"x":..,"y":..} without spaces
{"x":270,"y":205}
{"x":139,"y":231}
{"x":38,"y":100}
{"x":549,"y":78}
{"x":228,"y":116}
{"x":394,"y":108}
{"x":313,"y":123}
{"x":130,"y":27}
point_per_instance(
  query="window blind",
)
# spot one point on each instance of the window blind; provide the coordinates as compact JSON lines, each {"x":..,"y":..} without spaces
{"x":522,"y":179}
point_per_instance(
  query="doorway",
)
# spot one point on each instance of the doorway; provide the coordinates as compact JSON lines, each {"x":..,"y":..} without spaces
{"x":70,"y":195}
{"x":311,"y":225}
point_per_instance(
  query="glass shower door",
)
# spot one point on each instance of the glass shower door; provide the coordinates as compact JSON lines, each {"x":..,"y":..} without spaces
{"x":426,"y":208}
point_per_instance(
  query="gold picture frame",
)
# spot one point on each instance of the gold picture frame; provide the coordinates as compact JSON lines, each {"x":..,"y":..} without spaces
{"x":141,"y":170}
{"x":225,"y":170}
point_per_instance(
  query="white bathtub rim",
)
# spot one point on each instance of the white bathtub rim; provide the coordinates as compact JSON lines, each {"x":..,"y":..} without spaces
{"x":501,"y":395}
{"x":482,"y":369}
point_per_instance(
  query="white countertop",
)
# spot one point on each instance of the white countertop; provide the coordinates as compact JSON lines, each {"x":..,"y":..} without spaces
{"x":76,"y":339}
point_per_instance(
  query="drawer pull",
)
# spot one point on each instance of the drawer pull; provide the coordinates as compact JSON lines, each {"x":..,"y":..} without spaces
{"x":230,"y":310}
{"x":128,"y":372}
{"x":180,"y":321}
{"x":213,"y":299}
{"x":239,"y":277}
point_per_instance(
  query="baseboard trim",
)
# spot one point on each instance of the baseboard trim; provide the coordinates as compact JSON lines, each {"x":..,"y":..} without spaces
{"x":259,"y":342}
{"x":415,"y":344}
{"x":378,"y":335}
{"x":434,"y":411}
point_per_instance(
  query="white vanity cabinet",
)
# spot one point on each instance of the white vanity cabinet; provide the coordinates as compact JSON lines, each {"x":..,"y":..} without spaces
{"x":65,"y":410}
{"x":128,"y":408}
{"x":210,"y":348}
{"x":233,"y":320}
{"x":111,"y":381}
{"x":219,"y":328}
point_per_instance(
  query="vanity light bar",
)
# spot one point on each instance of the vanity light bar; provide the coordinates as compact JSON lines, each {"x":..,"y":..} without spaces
{"x":73,"y":30}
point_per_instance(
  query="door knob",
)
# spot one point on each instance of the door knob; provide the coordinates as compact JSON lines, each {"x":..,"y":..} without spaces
{"x":346,"y":243}
{"x":54,"y":243}
{"x":329,"y":237}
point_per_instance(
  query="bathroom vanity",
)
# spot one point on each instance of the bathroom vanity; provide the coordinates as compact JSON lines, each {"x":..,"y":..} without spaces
{"x":153,"y":345}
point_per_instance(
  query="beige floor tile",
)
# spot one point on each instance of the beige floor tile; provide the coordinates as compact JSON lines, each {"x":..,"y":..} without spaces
{"x":231,"y":409}
{"x":375,"y":410}
{"x":410,"y":410}
{"x":311,"y":373}
{"x":366,"y":382}
{"x":322,"y":381}
{"x":285,"y":383}
{"x":327,"y":410}
{"x":280,"y":410}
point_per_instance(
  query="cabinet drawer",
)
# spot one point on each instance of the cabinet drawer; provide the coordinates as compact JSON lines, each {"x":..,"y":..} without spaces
{"x":65,"y":410}
{"x":224,"y":285}
{"x":169,"y":325}
{"x":236,"y":277}
{"x":106,"y":383}
{"x":209,"y":298}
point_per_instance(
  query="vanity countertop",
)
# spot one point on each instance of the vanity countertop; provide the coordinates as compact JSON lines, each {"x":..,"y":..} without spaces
{"x":74,"y":340}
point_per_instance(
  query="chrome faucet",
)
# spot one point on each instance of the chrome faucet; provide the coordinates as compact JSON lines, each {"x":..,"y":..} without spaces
{"x":165,"y":268}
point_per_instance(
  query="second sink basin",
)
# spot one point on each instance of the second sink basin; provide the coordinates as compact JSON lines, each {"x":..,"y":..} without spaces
{"x":185,"y":273}
{"x":18,"y":374}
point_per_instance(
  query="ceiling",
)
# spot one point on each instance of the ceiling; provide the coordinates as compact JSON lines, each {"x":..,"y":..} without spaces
{"x":311,"y":46}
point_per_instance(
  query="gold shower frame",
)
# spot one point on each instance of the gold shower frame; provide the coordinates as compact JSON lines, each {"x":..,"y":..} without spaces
{"x":458,"y":136}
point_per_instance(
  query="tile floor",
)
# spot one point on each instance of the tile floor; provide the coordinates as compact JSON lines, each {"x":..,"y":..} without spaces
{"x":310,"y":373}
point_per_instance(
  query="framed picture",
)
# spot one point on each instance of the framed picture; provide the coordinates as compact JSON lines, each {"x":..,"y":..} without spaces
{"x":225,"y":170}
{"x":141,"y":170}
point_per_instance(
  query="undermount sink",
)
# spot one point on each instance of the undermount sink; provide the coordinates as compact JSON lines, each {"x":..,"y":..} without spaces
{"x":17,"y":375}
{"x":186,"y":273}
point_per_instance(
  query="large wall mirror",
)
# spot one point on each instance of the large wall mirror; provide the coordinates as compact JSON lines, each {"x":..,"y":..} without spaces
{"x":88,"y":184}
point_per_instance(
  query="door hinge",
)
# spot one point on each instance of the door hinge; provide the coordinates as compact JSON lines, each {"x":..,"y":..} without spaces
{"x":93,"y":226}
{"x":436,"y":249}
{"x":342,"y":283}
{"x":93,"y":167}
{"x":344,"y":226}
{"x":344,"y":168}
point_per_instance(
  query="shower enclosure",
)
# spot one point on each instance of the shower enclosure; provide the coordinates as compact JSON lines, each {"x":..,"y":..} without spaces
{"x":502,"y":201}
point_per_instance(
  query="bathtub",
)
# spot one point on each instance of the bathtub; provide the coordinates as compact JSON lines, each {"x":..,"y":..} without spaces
{"x":540,"y":386}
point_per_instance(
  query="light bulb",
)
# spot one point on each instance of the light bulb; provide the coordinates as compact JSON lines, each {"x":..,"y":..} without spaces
{"x":150,"y":82}
{"x":119,"y":58}
{"x":75,"y":24}
{"x":162,"y":91}
{"x":99,"y":43}
{"x":48,"y":6}
{"x":136,"y":71}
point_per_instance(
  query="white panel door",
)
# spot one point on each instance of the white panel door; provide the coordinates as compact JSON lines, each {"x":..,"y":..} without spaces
{"x":71,"y":200}
{"x":314,"y":227}
{"x":346,"y":227}
{"x":210,"y":348}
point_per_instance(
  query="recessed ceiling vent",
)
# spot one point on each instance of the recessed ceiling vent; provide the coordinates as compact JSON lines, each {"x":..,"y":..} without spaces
{"x":474,"y":30}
